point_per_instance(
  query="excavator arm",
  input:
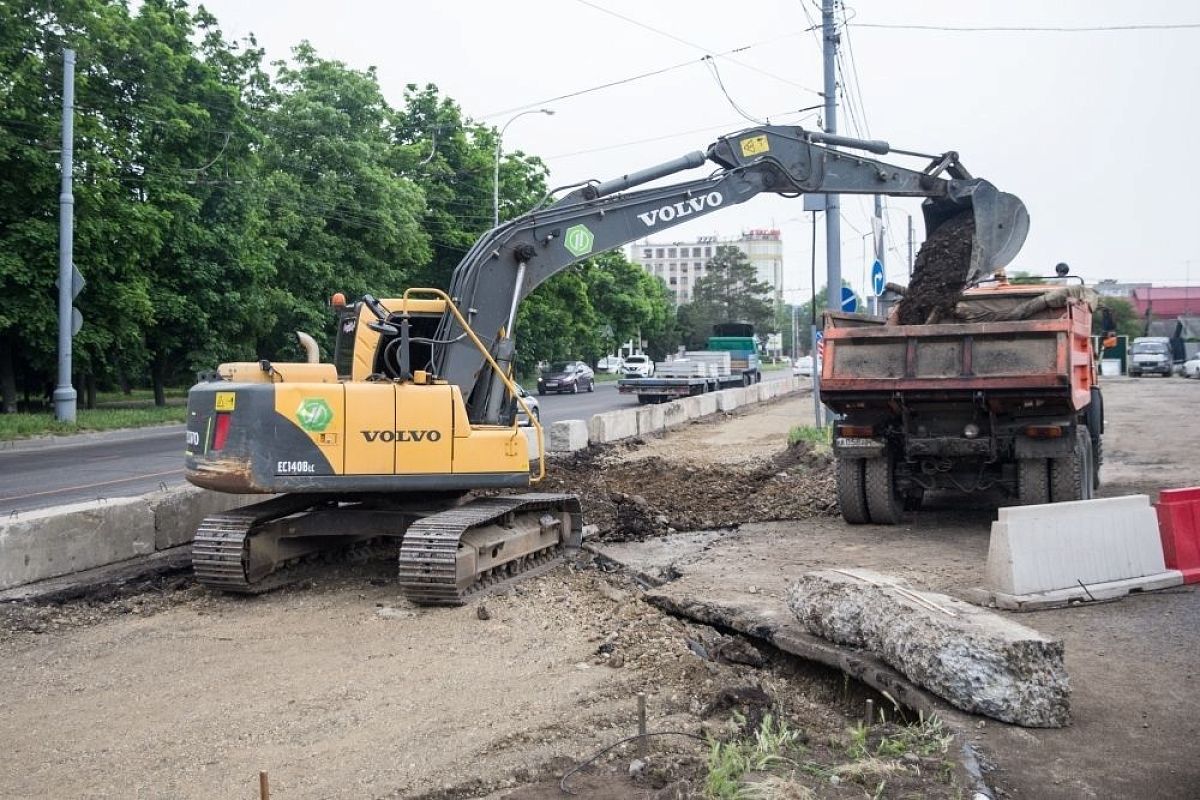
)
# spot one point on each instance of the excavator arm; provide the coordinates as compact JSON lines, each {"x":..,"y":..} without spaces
{"x":512,"y":260}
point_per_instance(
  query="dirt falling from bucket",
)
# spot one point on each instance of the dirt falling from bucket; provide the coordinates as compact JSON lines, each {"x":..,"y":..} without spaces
{"x":939,"y":273}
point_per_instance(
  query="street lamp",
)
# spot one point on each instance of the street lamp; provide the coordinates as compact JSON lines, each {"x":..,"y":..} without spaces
{"x":496,"y":170}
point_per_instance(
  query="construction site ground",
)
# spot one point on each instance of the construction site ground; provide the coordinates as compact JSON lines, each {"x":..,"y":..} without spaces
{"x":339,"y":688}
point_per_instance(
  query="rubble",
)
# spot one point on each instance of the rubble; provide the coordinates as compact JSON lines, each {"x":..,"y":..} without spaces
{"x":977,"y":660}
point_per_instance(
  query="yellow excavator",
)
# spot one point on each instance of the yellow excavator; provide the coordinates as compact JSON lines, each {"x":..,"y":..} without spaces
{"x":418,"y":409}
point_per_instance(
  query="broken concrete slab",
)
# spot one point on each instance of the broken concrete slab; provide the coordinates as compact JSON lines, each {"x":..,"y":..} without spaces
{"x":659,"y":560}
{"x":978,"y":661}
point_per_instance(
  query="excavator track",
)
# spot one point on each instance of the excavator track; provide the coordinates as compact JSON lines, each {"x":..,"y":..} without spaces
{"x":438,"y":551}
{"x":223,"y":554}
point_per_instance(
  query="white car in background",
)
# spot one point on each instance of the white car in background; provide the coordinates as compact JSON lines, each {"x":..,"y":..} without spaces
{"x":1191,"y":367}
{"x":638,"y":367}
{"x":531,"y":401}
{"x":803,"y":368}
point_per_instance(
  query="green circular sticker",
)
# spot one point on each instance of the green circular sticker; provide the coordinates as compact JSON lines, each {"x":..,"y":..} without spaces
{"x":314,"y":414}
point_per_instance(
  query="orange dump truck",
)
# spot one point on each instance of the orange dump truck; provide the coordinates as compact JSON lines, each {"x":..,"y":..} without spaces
{"x":1000,"y":398}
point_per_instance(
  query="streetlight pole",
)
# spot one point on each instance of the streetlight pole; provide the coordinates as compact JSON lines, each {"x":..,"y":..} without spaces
{"x":496,"y":168}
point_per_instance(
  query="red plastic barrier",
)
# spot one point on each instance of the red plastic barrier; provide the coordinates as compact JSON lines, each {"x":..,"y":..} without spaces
{"x":1179,"y":527}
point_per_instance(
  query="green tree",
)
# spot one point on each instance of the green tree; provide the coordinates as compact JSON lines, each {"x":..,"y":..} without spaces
{"x":729,"y":291}
{"x":347,"y":222}
{"x":1125,"y":317}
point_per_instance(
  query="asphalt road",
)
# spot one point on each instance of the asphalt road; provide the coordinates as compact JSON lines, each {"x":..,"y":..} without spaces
{"x":50,"y":472}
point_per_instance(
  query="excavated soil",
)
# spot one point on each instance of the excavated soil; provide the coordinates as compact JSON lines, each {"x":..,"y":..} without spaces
{"x":940,"y":272}
{"x":632,"y":500}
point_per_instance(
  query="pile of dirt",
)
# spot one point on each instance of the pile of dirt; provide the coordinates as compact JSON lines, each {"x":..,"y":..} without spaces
{"x":940,"y":272}
{"x":632,"y":500}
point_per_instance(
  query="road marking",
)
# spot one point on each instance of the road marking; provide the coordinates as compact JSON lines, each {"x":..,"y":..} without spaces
{"x":91,"y":485}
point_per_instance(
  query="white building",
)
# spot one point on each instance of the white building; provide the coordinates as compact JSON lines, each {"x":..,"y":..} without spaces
{"x":679,"y":264}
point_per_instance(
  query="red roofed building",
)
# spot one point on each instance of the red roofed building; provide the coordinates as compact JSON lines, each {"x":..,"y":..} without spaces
{"x":1167,"y":302}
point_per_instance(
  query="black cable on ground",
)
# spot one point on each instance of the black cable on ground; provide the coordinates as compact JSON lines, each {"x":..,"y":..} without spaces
{"x":591,"y":760}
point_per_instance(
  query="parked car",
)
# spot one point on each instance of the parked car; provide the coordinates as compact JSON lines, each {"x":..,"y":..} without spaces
{"x":610,"y":364}
{"x":1151,"y":354}
{"x":803,"y":367}
{"x":638,"y":367}
{"x":566,"y":376}
{"x":1191,"y":367}
{"x":532,"y":402}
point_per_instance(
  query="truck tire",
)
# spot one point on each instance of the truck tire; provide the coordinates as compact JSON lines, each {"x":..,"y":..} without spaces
{"x":880,"y":479}
{"x":1097,"y":461}
{"x":646,"y":399}
{"x":1071,"y":476}
{"x":852,"y":498}
{"x":1033,"y":481}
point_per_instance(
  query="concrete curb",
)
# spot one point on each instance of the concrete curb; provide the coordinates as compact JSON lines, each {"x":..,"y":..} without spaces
{"x":613,"y":426}
{"x":52,"y":542}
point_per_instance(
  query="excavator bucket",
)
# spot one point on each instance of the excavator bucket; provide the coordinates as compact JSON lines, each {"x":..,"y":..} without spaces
{"x":1001,"y":223}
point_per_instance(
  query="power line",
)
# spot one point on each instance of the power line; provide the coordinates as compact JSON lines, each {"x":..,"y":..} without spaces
{"x":1169,"y":26}
{"x":705,"y":50}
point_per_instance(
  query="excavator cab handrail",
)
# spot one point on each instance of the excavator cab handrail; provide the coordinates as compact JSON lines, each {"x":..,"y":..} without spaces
{"x":508,"y":382}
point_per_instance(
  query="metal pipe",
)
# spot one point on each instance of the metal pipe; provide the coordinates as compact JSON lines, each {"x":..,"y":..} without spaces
{"x":312,"y":353}
{"x":690,"y":161}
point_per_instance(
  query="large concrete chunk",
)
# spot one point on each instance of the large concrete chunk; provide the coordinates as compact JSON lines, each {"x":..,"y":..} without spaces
{"x":727,"y":400}
{"x":567,"y":436}
{"x":1049,"y":555}
{"x":612,"y":426}
{"x":178,"y":511}
{"x":706,"y":404}
{"x":975,"y":659}
{"x":58,"y":541}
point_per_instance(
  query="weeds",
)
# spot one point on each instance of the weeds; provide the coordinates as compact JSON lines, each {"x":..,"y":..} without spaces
{"x":774,"y":744}
{"x":818,"y":438}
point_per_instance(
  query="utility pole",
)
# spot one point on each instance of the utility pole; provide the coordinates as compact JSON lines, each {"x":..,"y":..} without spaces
{"x":833,"y":216}
{"x":910,"y":246}
{"x":64,"y":393}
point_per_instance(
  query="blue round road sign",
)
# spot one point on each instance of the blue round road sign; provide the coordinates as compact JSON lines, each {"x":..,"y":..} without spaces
{"x":849,"y":301}
{"x":878,"y":278}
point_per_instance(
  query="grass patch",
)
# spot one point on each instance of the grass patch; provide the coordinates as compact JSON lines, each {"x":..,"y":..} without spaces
{"x":883,"y":760}
{"x":817,"y":437}
{"x":20,"y":426}
{"x":138,"y":396}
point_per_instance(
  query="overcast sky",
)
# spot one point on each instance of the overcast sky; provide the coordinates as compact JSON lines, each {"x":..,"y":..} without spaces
{"x":1093,"y":130}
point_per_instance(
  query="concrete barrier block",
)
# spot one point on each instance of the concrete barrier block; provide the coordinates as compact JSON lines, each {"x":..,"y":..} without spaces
{"x":650,"y":420}
{"x":753,"y":393}
{"x":178,"y":512}
{"x":612,"y":426}
{"x":531,"y":445}
{"x":691,"y":407}
{"x":674,"y":413}
{"x":727,"y":400}
{"x":979,"y":661}
{"x":769,"y":390}
{"x":1053,"y":547}
{"x":707,"y":404}
{"x":58,"y":541}
{"x":567,"y":436}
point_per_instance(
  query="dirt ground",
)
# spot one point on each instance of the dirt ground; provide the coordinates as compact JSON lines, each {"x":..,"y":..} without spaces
{"x":339,"y":688}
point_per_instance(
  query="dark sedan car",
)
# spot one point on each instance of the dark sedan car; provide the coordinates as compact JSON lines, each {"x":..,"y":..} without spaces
{"x":566,"y":376}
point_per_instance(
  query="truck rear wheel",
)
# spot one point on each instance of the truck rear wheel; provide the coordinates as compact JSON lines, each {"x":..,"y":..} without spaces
{"x":1033,"y":481}
{"x":1071,"y":476}
{"x":852,"y":498}
{"x":882,"y":502}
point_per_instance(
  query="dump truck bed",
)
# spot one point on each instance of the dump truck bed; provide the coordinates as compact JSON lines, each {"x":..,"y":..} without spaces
{"x":1046,"y":355}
